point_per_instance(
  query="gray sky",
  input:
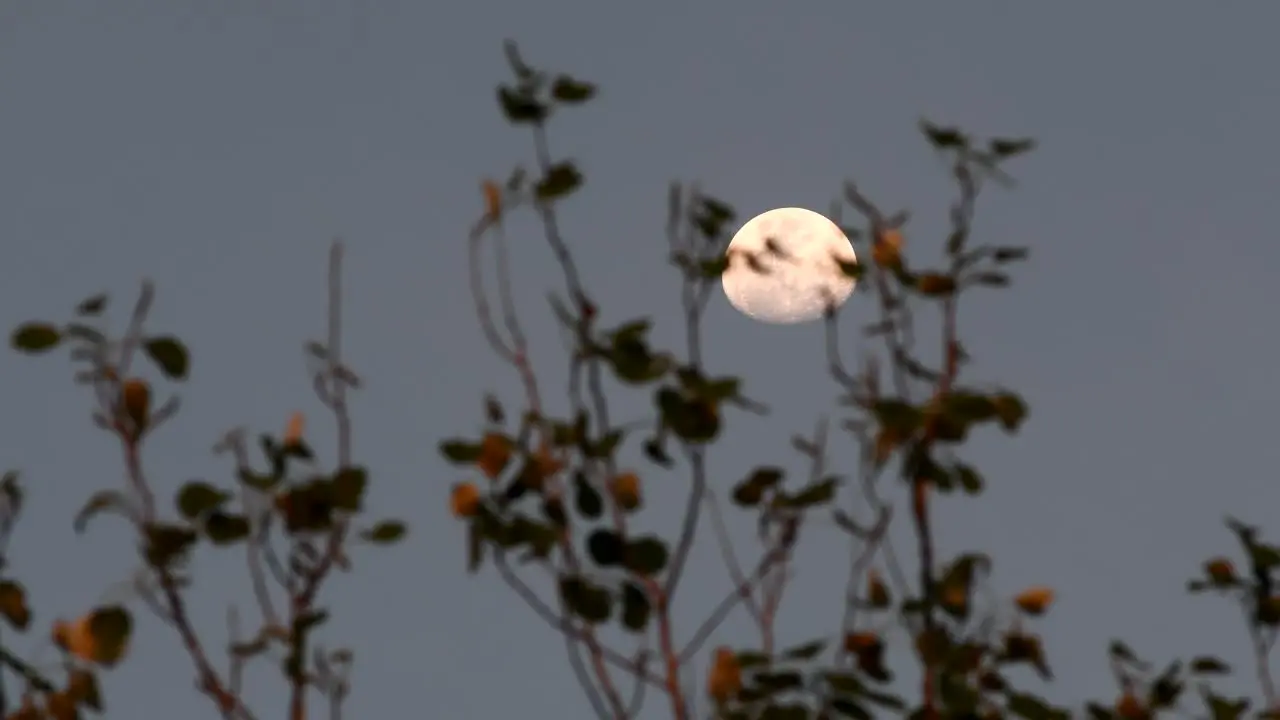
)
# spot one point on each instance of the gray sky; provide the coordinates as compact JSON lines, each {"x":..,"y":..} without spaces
{"x":218,"y":147}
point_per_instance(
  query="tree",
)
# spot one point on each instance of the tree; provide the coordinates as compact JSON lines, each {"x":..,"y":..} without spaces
{"x":293,"y":520}
{"x":555,"y":498}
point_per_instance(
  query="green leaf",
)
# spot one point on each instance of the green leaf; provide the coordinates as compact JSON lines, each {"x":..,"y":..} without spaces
{"x":460,"y":452}
{"x":790,"y":711}
{"x":110,"y":627}
{"x":35,"y":338}
{"x":348,"y":488}
{"x":968,"y":478}
{"x":989,"y":279}
{"x":1011,"y":410}
{"x":226,"y":529}
{"x":606,"y":547}
{"x":1010,"y":254}
{"x":807,"y":651}
{"x":897,"y":415}
{"x":750,"y":491}
{"x":943,"y":137}
{"x":197,"y":497}
{"x":167,"y":544}
{"x":560,"y":180}
{"x":1224,"y":709}
{"x":92,"y":305}
{"x":170,"y":355}
{"x":646,"y":556}
{"x":587,"y":601}
{"x":385,"y":532}
{"x":817,"y":493}
{"x":695,"y":421}
{"x":520,"y":106}
{"x":635,"y":607}
{"x":772,"y":682}
{"x":13,"y":604}
{"x":588,"y":499}
{"x":1029,"y":706}
{"x":99,"y":502}
{"x":1009,"y":147}
{"x":257,"y":481}
{"x":1209,"y":665}
{"x":850,"y":709}
{"x":570,"y":91}
{"x":475,"y":543}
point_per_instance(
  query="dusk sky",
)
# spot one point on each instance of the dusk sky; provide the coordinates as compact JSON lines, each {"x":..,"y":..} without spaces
{"x":219,"y":147}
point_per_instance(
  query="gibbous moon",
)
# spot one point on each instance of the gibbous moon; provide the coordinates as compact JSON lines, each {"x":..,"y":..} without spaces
{"x":802,"y":277}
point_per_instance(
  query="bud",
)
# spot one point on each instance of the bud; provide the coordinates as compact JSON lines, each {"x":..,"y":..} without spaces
{"x":626,"y":490}
{"x":135,"y":397}
{"x":465,"y":500}
{"x":1035,"y":600}
{"x":495,"y":453}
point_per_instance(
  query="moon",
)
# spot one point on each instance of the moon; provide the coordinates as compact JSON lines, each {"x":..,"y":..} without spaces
{"x":801,"y":280}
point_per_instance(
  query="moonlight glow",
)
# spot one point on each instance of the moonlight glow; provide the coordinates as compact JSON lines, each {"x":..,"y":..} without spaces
{"x":802,"y":278}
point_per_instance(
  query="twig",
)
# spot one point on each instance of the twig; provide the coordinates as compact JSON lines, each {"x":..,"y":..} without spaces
{"x":334,"y":396}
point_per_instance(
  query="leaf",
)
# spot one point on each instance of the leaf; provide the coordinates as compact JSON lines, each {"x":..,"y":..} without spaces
{"x":606,"y":547}
{"x":807,"y":651}
{"x":475,"y":544}
{"x":521,"y":106}
{"x":635,"y":607}
{"x":750,"y":491}
{"x":92,"y":305}
{"x":82,"y":688}
{"x":99,"y":502}
{"x":646,"y":556}
{"x":1011,"y":410}
{"x":943,"y":137}
{"x":226,"y":529}
{"x":560,"y":180}
{"x":989,"y":279}
{"x":348,"y":488}
{"x":1209,"y":665}
{"x":1009,"y":147}
{"x":197,"y":497}
{"x":587,"y":498}
{"x":13,"y":604}
{"x":968,"y":478}
{"x":385,"y":532}
{"x":1010,"y":254}
{"x":818,"y":493}
{"x":935,"y":285}
{"x":850,"y":709}
{"x":170,"y":355}
{"x":772,"y":682}
{"x":570,"y":91}
{"x":110,"y":627}
{"x":167,"y":543}
{"x":58,"y":706}
{"x":35,"y":338}
{"x":460,"y":452}
{"x":587,"y":601}
{"x":897,"y":415}
{"x":790,"y":711}
{"x":1029,"y":706}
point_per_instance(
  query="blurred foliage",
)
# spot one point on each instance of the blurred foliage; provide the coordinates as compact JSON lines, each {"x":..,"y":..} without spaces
{"x":541,"y":490}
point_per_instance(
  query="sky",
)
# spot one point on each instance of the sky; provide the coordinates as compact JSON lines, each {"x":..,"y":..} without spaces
{"x":218,"y":148}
